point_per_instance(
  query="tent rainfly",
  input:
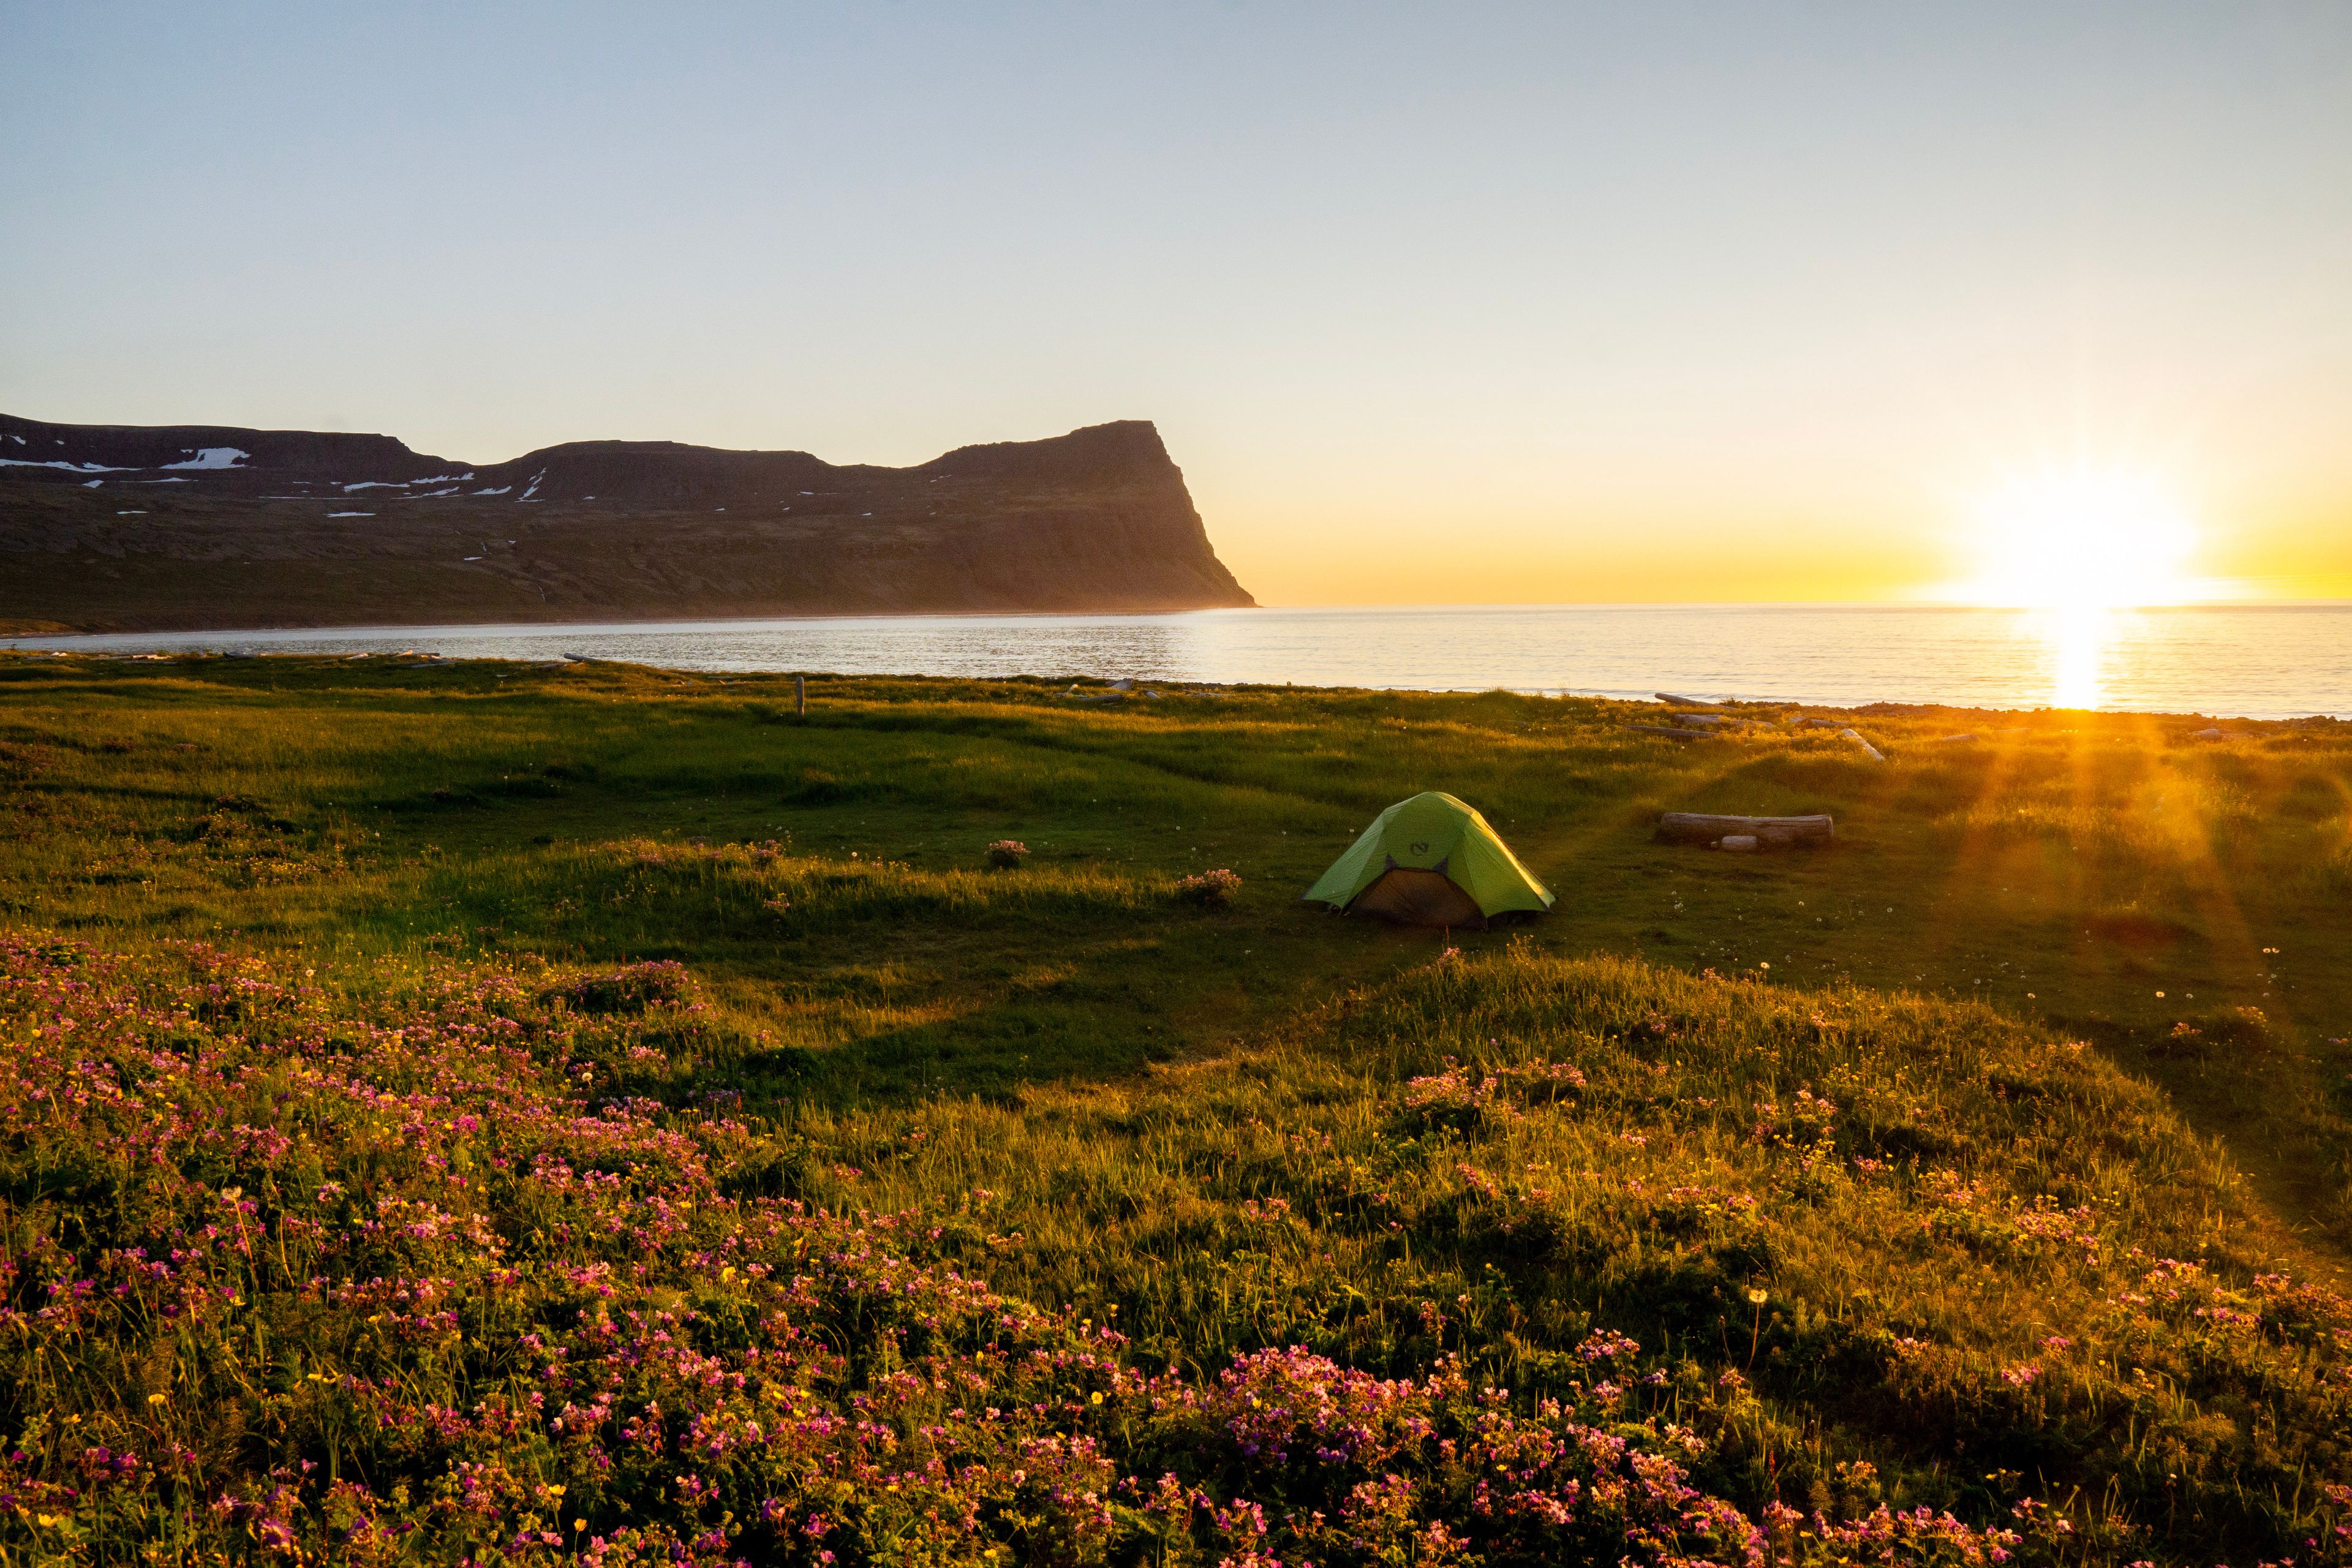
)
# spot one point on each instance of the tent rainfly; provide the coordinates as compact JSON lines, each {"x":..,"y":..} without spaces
{"x":1430,"y":861}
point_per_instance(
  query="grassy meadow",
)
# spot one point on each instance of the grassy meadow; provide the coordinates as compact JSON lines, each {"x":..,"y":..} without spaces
{"x":510,"y":1114}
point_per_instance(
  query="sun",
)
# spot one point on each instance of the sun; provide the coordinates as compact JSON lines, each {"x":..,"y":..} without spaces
{"x":2082,"y":538}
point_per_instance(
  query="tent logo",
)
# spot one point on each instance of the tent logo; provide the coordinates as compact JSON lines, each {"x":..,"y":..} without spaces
{"x":1421,"y":847}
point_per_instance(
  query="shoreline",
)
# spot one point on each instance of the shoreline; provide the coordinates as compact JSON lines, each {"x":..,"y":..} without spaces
{"x":2254,"y":663}
{"x":1881,"y":708}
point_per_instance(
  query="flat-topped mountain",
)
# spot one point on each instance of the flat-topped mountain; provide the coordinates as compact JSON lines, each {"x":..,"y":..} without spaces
{"x":106,"y":527}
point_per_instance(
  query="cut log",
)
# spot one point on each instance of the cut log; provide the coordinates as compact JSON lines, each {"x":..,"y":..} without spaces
{"x":1703,"y":827}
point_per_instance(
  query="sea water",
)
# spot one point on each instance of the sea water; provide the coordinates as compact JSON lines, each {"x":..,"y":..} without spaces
{"x":2264,"y":661}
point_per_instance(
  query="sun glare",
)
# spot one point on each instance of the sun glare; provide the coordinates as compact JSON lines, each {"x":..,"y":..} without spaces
{"x":2082,"y":538}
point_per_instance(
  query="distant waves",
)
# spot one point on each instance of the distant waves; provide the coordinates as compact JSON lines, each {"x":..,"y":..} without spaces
{"x":2251,"y":661}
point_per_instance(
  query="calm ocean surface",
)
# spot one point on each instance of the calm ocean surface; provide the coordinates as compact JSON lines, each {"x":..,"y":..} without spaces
{"x":2251,"y":661}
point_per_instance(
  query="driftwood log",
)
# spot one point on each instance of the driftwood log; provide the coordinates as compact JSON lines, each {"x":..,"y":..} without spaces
{"x":1668,"y":730}
{"x":1845,"y":732}
{"x":1701,"y":828}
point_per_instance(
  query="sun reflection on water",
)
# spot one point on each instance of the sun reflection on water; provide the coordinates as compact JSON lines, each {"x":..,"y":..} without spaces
{"x":2078,"y":638}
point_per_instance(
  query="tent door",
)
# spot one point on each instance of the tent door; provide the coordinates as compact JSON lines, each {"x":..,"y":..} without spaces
{"x":1417,"y":898}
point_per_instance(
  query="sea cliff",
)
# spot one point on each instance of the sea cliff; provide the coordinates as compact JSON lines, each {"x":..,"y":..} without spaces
{"x":118,"y":528}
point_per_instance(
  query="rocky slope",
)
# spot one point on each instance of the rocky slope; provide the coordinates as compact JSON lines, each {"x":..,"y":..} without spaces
{"x":123,"y":528}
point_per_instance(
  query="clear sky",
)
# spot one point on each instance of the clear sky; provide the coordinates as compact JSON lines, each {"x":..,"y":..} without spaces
{"x":1433,"y":304}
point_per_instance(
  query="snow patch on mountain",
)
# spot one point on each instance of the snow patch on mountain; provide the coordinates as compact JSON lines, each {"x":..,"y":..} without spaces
{"x":212,"y":457}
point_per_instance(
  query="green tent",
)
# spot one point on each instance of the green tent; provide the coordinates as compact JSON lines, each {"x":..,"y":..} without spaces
{"x":1430,"y":860}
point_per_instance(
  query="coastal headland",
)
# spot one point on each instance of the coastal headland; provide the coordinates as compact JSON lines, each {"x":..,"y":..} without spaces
{"x":120,"y":528}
